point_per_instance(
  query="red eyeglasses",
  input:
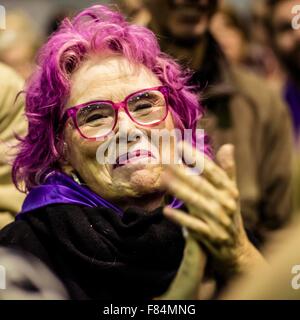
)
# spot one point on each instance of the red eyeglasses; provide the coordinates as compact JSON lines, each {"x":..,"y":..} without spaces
{"x":95,"y":120}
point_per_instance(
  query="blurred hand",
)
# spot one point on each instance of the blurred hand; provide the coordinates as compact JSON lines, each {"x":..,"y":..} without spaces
{"x":214,"y":216}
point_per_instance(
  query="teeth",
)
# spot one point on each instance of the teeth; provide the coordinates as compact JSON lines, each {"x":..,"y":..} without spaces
{"x":132,"y":155}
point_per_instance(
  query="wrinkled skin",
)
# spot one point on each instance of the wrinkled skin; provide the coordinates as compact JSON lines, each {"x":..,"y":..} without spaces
{"x":212,"y":198}
{"x":214,"y":215}
{"x":113,"y":78}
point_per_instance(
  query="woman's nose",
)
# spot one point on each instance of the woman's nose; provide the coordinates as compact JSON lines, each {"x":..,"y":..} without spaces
{"x":127,"y":130}
{"x":124,"y":122}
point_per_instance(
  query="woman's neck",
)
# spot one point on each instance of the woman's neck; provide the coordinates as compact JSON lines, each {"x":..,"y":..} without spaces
{"x":148,"y":202}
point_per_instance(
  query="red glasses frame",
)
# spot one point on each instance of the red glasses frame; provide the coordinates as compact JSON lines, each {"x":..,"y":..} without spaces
{"x":72,"y":112}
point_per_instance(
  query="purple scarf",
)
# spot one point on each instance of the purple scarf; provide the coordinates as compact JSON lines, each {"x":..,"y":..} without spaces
{"x":292,"y":97}
{"x":60,"y":188}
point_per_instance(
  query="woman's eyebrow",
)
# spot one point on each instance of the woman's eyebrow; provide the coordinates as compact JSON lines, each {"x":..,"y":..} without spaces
{"x":110,"y":97}
{"x":91,"y":99}
{"x":100,"y":98}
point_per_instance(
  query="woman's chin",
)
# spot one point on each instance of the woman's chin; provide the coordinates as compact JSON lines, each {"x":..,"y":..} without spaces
{"x":138,"y":177}
{"x":146,"y":181}
{"x":131,"y":169}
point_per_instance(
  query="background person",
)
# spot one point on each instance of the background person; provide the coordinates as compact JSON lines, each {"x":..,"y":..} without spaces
{"x":286,"y":45}
{"x":232,"y":35}
{"x":12,"y":121}
{"x":241,"y":110}
{"x":19,"y":42}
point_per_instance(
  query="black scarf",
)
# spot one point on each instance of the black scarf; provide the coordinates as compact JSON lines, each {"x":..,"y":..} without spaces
{"x":100,"y":255}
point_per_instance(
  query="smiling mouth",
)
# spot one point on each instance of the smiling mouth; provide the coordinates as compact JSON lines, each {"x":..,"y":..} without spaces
{"x":132,"y":157}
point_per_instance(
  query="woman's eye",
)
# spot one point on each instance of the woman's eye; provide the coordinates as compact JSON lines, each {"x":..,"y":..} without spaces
{"x":94,"y":117}
{"x":144,"y":106}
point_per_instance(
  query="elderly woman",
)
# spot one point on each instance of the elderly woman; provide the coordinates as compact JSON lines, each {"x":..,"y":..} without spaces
{"x":99,"y":224}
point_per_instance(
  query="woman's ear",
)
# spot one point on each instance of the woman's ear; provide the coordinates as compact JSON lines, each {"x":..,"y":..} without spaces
{"x":64,"y":161}
{"x":64,"y":154}
{"x":66,"y":165}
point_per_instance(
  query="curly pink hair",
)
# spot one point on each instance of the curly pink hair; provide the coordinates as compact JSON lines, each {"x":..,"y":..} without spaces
{"x":92,"y":31}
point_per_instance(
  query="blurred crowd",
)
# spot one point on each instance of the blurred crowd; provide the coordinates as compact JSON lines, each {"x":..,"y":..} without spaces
{"x":246,"y":69}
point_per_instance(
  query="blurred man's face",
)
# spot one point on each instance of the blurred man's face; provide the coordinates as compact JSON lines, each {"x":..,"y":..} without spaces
{"x":188,"y":19}
{"x":286,"y":39}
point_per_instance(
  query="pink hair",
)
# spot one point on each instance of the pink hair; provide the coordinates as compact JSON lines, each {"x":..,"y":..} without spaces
{"x":92,"y":31}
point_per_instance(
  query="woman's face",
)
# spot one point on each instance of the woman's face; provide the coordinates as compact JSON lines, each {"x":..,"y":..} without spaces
{"x":114,"y":78}
{"x":229,"y":37}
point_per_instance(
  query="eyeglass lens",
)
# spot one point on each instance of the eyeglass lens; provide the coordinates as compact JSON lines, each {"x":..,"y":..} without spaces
{"x":97,"y":119}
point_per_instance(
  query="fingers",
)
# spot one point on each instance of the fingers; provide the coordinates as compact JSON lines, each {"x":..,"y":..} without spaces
{"x":202,"y":206}
{"x":210,"y":170}
{"x":225,"y":157}
{"x":197,"y":226}
{"x":210,"y":198}
{"x":202,"y":186}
